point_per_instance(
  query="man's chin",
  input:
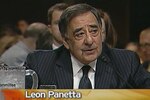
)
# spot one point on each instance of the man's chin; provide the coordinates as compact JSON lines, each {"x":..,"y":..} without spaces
{"x":90,"y":59}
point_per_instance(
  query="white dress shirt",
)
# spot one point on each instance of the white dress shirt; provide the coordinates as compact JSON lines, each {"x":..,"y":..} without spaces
{"x":55,"y":46}
{"x":77,"y":72}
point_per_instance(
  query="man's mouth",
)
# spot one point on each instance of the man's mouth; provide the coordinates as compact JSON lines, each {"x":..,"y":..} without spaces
{"x":89,"y":51}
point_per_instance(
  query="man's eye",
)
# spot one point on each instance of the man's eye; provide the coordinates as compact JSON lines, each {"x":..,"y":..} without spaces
{"x":94,"y":32}
{"x":79,"y":35}
{"x":145,"y":45}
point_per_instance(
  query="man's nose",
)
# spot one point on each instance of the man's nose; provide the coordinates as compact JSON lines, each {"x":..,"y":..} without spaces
{"x":88,"y":39}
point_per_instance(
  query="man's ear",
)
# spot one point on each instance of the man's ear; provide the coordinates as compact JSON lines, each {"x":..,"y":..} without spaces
{"x":65,"y":43}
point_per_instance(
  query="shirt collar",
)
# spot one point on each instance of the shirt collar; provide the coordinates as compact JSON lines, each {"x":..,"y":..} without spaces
{"x":55,"y":46}
{"x":77,"y":65}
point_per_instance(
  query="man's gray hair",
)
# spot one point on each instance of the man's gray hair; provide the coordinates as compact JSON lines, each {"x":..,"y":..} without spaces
{"x":74,"y":11}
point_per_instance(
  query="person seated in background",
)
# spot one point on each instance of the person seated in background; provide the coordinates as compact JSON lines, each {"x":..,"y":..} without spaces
{"x":144,"y":42}
{"x":83,"y":61}
{"x":22,"y":25}
{"x":133,"y":46}
{"x":8,"y":37}
{"x":16,"y":55}
{"x":44,"y":41}
{"x":7,"y":41}
{"x":54,"y":14}
{"x":108,"y":31}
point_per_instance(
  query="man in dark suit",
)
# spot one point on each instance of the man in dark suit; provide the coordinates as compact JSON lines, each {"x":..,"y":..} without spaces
{"x":54,"y":14}
{"x":83,"y":61}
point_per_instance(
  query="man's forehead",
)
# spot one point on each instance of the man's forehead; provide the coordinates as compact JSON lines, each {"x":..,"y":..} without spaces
{"x":145,"y":35}
{"x":146,"y":32}
{"x":145,"y":38}
{"x":89,"y":26}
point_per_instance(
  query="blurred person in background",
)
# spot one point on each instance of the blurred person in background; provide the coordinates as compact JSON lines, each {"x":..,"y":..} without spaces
{"x":7,"y":41}
{"x":144,"y":42}
{"x":16,"y":55}
{"x":44,"y":41}
{"x":22,"y":25}
{"x":54,"y":14}
{"x":109,"y":33}
{"x":8,"y":37}
{"x":132,"y":46}
{"x":8,"y":29}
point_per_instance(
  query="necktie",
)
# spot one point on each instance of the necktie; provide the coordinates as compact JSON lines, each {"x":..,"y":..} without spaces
{"x":85,"y":82}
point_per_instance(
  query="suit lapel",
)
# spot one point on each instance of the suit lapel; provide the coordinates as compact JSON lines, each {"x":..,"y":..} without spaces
{"x":104,"y":76}
{"x":64,"y":72}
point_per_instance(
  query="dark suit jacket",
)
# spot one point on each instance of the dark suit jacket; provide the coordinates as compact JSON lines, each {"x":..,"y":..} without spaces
{"x":115,"y":69}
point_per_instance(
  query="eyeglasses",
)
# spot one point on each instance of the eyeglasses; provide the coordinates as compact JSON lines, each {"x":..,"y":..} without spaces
{"x":146,"y":45}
